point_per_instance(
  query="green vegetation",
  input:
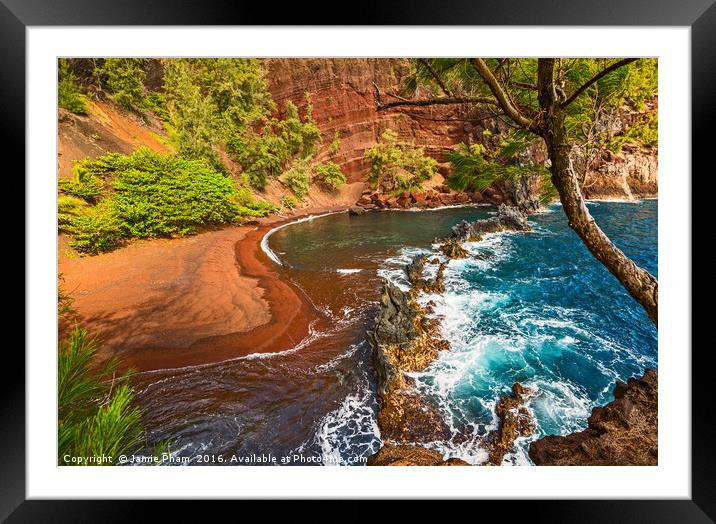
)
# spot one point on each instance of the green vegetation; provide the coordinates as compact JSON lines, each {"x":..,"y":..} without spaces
{"x":97,"y":415}
{"x":587,"y":116}
{"x":124,"y":79}
{"x":149,"y":195}
{"x":210,"y":101}
{"x":280,"y":143}
{"x":335,"y":144}
{"x":297,"y":178}
{"x":397,"y":167}
{"x":289,"y":202}
{"x":65,"y":301}
{"x":330,"y":175}
{"x":68,"y":94}
{"x":475,"y":168}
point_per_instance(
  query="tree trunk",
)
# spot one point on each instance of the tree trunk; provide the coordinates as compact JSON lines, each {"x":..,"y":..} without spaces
{"x":550,"y":125}
{"x":638,"y":282}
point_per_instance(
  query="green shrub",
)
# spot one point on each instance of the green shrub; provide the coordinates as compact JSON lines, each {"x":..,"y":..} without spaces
{"x":335,"y":145}
{"x":97,"y":414}
{"x":297,"y":178}
{"x":210,"y":101}
{"x":124,"y":78}
{"x":68,"y":94}
{"x":474,"y":168}
{"x":396,"y":167}
{"x":263,"y":155}
{"x":157,"y":104}
{"x":289,"y":202}
{"x":96,"y":230}
{"x":154,"y":195}
{"x":330,"y":175}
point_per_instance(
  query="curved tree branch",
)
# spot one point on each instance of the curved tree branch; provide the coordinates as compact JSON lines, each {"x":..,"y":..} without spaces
{"x":499,"y":92}
{"x":596,"y":78}
{"x":380,"y":106}
{"x":435,"y":76}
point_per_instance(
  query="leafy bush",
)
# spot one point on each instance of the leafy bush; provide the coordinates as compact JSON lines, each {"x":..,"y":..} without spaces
{"x":396,"y":167}
{"x":68,"y":94}
{"x":124,"y":78}
{"x":96,"y":230}
{"x":330,"y":175}
{"x":96,"y":411}
{"x":212,"y":100}
{"x":266,"y":154}
{"x":153,"y":195}
{"x":289,"y":202}
{"x":335,"y":145}
{"x":475,"y":168}
{"x":297,"y":178}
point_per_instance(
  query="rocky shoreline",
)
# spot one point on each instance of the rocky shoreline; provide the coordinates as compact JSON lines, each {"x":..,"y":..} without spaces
{"x":406,"y":339}
{"x":621,"y":433}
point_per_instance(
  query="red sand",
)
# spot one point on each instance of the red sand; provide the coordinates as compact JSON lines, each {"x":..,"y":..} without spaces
{"x":173,"y":303}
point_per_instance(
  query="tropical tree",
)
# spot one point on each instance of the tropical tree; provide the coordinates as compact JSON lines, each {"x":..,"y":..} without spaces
{"x":554,"y":100}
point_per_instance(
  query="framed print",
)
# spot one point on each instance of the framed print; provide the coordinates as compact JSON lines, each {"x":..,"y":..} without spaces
{"x":432,"y":239}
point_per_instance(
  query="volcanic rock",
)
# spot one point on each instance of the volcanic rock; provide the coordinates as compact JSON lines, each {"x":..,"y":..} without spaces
{"x":508,"y":219}
{"x":406,"y":455}
{"x":621,"y":433}
{"x":514,"y":421}
{"x":452,"y":248}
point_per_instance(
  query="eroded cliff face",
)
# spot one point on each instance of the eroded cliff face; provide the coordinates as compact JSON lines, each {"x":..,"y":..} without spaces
{"x":343,"y":92}
{"x":343,"y":96}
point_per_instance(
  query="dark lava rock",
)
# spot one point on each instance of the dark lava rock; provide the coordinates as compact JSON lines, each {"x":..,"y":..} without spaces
{"x":407,"y":455}
{"x":356,"y":211}
{"x":452,"y":248}
{"x":508,"y":219}
{"x":515,"y":421}
{"x":414,"y":270}
{"x":621,"y":433}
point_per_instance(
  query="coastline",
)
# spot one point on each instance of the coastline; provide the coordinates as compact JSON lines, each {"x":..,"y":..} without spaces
{"x":192,"y":301}
{"x":198,"y":300}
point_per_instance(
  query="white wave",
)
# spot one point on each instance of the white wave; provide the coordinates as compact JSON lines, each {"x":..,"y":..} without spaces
{"x":264,"y":241}
{"x":348,"y":271}
{"x":340,"y":430}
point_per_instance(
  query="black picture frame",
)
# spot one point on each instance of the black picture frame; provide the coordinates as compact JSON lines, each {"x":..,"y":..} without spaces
{"x":699,"y":15}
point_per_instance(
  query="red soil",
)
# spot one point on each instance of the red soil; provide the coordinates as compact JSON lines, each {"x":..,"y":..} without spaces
{"x":174,"y":303}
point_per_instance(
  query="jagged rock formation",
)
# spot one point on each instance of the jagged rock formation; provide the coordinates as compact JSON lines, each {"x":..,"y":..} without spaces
{"x":622,"y":433}
{"x":343,"y":97}
{"x":404,"y":340}
{"x":414,"y":270}
{"x":632,"y":173}
{"x":515,"y":421}
{"x":437,"y":284}
{"x":452,"y":248}
{"x":406,"y":455}
{"x":439,"y":196}
{"x":508,"y":218}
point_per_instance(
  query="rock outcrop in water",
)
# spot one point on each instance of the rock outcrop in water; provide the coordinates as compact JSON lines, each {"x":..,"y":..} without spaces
{"x":406,"y":455}
{"x":404,"y":340}
{"x":414,"y":270}
{"x":508,"y":218}
{"x":452,"y":248}
{"x":621,"y":433}
{"x":514,"y":421}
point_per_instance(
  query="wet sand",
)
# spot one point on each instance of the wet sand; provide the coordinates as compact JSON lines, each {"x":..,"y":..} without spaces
{"x":173,"y":303}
